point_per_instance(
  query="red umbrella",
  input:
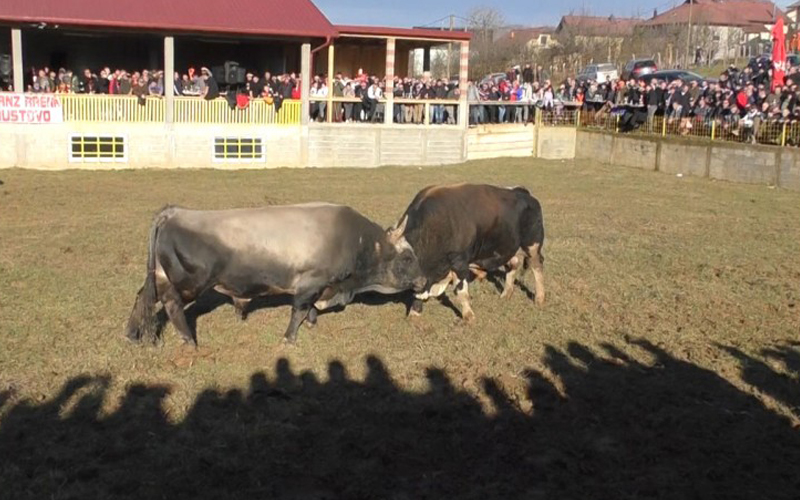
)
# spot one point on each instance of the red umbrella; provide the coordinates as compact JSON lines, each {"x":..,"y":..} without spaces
{"x":778,"y":54}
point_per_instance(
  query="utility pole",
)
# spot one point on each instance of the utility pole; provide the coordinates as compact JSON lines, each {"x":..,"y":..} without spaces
{"x":689,"y":36}
{"x":450,"y":47}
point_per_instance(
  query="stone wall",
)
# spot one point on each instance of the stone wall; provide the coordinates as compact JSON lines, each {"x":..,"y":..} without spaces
{"x":743,"y":163}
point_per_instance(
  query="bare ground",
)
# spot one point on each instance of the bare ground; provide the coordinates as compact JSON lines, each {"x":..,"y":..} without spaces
{"x":666,"y":363}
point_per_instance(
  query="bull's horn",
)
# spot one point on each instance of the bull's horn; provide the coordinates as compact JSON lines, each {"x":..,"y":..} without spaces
{"x":396,"y":233}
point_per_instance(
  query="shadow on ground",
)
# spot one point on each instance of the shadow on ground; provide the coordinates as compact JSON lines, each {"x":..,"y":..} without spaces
{"x":623,"y":430}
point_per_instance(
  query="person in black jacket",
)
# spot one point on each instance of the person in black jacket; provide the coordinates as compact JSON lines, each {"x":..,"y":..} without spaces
{"x":527,"y":74}
{"x":653,"y":100}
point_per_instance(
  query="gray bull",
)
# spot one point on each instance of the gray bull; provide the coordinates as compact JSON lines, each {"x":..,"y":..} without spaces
{"x":321,"y":254}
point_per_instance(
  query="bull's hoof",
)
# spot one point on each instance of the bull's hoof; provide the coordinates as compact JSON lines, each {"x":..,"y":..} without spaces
{"x":412,"y":314}
{"x":133,"y":337}
{"x":311,"y":320}
{"x":191,"y":343}
{"x":468,"y":317}
{"x":507,"y":294}
{"x":539,"y":301}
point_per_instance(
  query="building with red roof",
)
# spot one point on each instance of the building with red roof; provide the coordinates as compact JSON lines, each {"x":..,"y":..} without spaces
{"x":723,"y":28}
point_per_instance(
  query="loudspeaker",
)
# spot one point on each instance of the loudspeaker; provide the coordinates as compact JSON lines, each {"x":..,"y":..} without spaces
{"x":234,"y":74}
{"x":5,"y":65}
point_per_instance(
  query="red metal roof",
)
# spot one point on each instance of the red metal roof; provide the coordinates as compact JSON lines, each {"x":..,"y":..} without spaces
{"x":740,"y":13}
{"x":421,"y":33}
{"x":294,"y":18}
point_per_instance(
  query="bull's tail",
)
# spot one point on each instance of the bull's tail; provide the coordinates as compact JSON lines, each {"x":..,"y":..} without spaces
{"x":142,"y":322}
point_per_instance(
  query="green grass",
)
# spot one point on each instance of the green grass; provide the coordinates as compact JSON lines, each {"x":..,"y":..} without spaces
{"x":664,"y":363}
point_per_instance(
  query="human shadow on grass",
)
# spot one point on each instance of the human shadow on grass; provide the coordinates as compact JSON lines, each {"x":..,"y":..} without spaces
{"x":781,"y":382}
{"x":619,"y":430}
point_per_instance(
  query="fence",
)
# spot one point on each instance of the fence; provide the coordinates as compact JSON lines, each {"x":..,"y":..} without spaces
{"x":775,"y":133}
{"x":104,"y":108}
{"x":97,"y":108}
{"x":498,"y":113}
{"x":408,"y":111}
{"x":258,"y":112}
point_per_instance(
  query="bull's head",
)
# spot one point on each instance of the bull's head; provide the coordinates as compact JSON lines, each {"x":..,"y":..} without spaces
{"x":402,"y":270}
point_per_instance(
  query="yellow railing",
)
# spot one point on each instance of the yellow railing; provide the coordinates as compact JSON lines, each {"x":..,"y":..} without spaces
{"x":774,"y":133}
{"x":258,"y":112}
{"x":103,"y":108}
{"x":110,"y":108}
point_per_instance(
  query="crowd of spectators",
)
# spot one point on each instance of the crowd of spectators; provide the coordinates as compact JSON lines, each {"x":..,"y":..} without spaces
{"x":363,"y":99}
{"x":739,"y":102}
{"x":121,"y":82}
{"x":358,"y":99}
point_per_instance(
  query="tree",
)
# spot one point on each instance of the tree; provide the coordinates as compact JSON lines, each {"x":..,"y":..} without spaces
{"x":485,"y":23}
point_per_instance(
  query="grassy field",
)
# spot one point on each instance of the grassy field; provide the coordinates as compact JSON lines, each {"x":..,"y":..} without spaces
{"x":665,"y":364}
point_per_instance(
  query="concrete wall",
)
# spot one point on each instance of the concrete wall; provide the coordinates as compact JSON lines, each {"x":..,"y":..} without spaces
{"x":744,"y":163}
{"x":498,"y":141}
{"x":191,"y":146}
{"x":555,"y":143}
{"x":373,"y":146}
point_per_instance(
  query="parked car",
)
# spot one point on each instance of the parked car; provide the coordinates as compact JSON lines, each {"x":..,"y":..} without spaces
{"x":638,"y":67}
{"x":670,"y":75}
{"x":600,"y":73}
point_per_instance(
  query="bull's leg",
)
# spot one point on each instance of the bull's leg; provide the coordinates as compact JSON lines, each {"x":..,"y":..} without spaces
{"x":174,"y":305}
{"x":462,"y":293}
{"x":512,"y":267}
{"x":416,"y":308}
{"x":240,"y":306}
{"x":479,"y":273}
{"x":537,"y":263}
{"x":302,"y":305}
{"x":311,"y":321}
{"x":299,"y":314}
{"x":434,"y":290}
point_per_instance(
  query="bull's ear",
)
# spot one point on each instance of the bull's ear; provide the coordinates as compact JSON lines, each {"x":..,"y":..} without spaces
{"x":397,"y":232}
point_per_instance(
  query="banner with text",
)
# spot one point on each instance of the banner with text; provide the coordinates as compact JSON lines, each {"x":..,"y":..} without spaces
{"x":19,"y":108}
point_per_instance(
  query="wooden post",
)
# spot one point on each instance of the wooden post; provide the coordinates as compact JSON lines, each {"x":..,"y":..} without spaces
{"x":713,"y":129}
{"x":388,"y":112}
{"x":783,"y":135}
{"x":463,"y":86}
{"x":331,"y":54}
{"x":305,"y":89}
{"x":169,"y":80}
{"x":16,"y":58}
{"x":427,"y":112}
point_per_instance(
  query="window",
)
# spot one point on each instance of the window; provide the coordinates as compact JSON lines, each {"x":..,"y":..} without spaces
{"x":543,"y":39}
{"x":98,"y":149}
{"x":238,"y":149}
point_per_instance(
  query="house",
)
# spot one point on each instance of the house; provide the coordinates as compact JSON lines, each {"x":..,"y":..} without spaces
{"x":535,"y":38}
{"x":594,"y":27}
{"x":604,"y":34}
{"x":722,"y":29}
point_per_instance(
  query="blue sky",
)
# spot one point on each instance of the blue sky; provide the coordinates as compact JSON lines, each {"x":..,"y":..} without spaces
{"x":406,"y":13}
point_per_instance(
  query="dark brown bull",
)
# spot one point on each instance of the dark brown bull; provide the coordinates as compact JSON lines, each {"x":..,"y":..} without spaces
{"x":463,"y":229}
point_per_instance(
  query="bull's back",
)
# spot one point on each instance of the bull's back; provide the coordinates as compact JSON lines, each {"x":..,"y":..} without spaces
{"x":476,"y":221}
{"x":249,"y":247}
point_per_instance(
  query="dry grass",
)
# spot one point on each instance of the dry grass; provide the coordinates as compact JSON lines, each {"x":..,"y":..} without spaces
{"x":664,"y":364}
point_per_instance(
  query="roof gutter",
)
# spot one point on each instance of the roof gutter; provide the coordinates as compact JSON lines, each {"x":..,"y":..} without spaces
{"x":328,"y":41}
